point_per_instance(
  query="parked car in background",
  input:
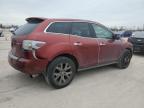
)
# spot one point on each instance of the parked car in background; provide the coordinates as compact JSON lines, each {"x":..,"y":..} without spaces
{"x":138,"y":41}
{"x":58,"y":48}
{"x":13,"y":29}
{"x":1,"y":32}
{"x":124,"y":34}
{"x":127,"y":34}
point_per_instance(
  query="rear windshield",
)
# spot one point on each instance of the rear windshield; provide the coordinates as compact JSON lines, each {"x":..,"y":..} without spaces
{"x":25,"y":29}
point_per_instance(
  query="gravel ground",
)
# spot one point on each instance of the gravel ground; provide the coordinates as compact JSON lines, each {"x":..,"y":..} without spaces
{"x":105,"y":87}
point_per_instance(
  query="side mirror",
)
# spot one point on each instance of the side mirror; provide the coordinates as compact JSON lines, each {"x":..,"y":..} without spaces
{"x":116,"y":36}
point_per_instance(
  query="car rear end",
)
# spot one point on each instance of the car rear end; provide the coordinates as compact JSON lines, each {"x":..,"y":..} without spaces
{"x":22,"y":55}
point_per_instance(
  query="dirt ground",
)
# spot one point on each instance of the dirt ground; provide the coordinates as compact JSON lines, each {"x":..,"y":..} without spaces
{"x":105,"y":87}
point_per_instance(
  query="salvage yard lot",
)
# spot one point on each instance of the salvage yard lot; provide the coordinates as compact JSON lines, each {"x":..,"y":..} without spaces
{"x":105,"y":87}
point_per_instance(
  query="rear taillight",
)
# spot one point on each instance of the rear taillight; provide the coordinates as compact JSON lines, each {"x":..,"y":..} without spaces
{"x":32,"y":45}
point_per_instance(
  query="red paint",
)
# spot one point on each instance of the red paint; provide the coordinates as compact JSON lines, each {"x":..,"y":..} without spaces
{"x":90,"y":53}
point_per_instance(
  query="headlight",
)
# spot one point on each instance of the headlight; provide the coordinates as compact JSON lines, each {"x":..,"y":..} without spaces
{"x":32,"y":45}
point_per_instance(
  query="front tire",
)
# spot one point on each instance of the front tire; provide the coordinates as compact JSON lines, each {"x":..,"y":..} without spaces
{"x":60,"y":72}
{"x":124,"y":60}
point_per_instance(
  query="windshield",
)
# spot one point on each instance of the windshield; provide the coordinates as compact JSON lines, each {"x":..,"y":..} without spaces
{"x":139,"y":34}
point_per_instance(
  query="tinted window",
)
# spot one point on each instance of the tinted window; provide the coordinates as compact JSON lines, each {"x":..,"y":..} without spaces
{"x":59,"y":27}
{"x":102,"y":32}
{"x":25,"y":29}
{"x":80,"y":29}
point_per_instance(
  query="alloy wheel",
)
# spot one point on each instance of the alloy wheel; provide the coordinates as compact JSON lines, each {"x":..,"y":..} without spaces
{"x":62,"y":73}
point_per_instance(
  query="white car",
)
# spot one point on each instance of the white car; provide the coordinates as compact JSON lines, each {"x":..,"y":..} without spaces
{"x":13,"y":29}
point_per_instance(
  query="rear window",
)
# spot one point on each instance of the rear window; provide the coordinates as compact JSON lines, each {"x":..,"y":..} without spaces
{"x":25,"y":29}
{"x":59,"y":27}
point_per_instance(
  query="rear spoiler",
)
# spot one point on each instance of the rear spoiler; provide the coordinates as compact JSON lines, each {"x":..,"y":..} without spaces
{"x":35,"y":20}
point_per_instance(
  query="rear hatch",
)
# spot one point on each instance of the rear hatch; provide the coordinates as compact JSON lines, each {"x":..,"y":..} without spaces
{"x":21,"y":34}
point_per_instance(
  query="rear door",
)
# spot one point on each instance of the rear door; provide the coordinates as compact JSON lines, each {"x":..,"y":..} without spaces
{"x":110,"y":49}
{"x":84,"y":46}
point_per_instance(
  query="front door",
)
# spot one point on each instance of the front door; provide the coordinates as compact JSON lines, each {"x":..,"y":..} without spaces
{"x":110,"y":48}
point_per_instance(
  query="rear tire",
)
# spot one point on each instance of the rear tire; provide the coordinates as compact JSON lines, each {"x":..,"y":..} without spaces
{"x":124,"y":60}
{"x":60,"y":72}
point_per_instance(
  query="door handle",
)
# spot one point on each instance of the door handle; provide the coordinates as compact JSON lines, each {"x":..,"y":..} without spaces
{"x":77,"y":44}
{"x":102,"y":44}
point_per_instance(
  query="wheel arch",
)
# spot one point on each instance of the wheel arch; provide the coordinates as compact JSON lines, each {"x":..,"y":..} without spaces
{"x":72,"y":57}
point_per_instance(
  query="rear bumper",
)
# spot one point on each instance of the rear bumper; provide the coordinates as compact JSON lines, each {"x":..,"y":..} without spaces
{"x":28,"y":66}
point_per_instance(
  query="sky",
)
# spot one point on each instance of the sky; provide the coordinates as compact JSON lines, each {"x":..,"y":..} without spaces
{"x":128,"y":13}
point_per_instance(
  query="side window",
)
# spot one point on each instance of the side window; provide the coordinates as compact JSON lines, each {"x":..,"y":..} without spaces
{"x":80,"y":29}
{"x":102,"y":32}
{"x":59,"y":27}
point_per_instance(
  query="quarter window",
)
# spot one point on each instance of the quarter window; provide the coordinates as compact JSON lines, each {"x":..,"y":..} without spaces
{"x":80,"y":29}
{"x":59,"y":27}
{"x":102,"y":32}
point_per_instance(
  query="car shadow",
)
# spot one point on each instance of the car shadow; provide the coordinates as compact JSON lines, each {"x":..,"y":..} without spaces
{"x":141,"y":54}
{"x":96,"y":71}
{"x":20,"y":81}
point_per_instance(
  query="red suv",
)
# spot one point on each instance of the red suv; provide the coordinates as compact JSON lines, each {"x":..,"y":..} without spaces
{"x":58,"y":48}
